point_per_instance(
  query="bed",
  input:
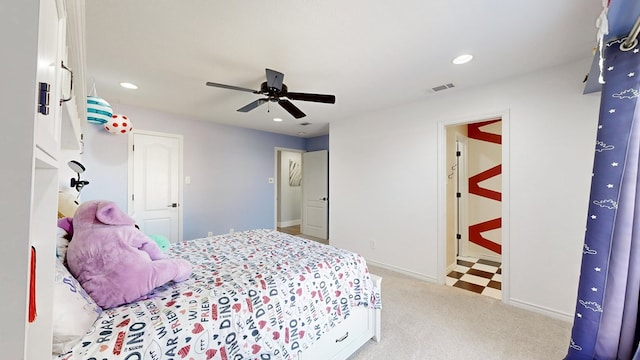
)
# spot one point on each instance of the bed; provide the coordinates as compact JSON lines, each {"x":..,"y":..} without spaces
{"x":258,"y":294}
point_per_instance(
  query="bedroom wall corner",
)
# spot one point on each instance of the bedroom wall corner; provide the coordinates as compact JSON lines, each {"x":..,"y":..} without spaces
{"x":317,"y":143}
{"x":384,"y":191}
{"x":229,"y":169}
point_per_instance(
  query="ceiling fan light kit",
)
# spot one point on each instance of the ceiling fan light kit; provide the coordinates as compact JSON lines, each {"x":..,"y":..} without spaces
{"x":275,"y":90}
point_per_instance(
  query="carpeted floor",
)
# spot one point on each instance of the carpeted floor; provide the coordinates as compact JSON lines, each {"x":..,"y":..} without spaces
{"x":421,"y":320}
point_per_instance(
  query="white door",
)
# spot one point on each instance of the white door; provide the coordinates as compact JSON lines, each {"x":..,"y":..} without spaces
{"x":315,"y":194}
{"x":156,"y":170}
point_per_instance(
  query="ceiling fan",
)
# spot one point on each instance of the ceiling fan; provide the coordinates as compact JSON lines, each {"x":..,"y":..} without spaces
{"x":274,"y":90}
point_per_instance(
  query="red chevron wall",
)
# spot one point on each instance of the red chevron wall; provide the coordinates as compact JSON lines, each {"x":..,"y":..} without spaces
{"x":477,"y":230}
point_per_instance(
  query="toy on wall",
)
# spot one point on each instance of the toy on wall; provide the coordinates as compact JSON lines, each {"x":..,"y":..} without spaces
{"x":98,"y":110}
{"x":115,"y":262}
{"x":119,"y":124}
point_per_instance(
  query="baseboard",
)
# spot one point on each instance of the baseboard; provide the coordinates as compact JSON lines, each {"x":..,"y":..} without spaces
{"x":450,"y":268}
{"x":413,"y":274}
{"x":541,"y":310}
{"x":513,"y":302}
{"x":485,"y":257}
{"x":289,"y":223}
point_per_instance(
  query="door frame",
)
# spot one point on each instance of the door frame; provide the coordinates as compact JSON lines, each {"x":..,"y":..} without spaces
{"x":130,"y":187}
{"x":461,"y":206}
{"x":442,"y":192}
{"x":276,"y":182}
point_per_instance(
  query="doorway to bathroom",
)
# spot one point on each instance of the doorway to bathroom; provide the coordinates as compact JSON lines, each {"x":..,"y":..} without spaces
{"x":474,"y":188}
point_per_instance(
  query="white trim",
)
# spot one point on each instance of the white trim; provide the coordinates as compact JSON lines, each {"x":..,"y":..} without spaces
{"x":180,"y":139}
{"x":542,"y":310}
{"x":410,"y":273}
{"x":442,"y":190}
{"x":489,"y":257}
{"x":506,"y":196}
{"x":275,"y":182}
{"x":289,"y":223}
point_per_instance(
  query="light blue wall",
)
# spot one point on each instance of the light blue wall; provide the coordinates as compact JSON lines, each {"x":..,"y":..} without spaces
{"x":318,"y":143}
{"x":229,"y":169}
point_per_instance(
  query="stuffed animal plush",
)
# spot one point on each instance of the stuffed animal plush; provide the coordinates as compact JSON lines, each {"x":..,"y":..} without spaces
{"x":66,"y":223}
{"x":115,"y":262}
{"x":163,"y":243}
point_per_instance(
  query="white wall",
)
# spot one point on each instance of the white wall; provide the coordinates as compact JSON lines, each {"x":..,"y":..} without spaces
{"x":65,"y":173}
{"x":289,"y":196}
{"x":384,"y":181}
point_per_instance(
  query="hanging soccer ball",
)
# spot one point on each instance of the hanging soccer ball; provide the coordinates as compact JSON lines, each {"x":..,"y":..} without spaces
{"x":98,"y":110}
{"x":119,"y":124}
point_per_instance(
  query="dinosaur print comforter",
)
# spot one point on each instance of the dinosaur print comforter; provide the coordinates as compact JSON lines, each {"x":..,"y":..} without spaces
{"x":259,"y":294}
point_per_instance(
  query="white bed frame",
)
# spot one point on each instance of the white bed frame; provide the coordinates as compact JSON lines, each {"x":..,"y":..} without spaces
{"x":343,"y":340}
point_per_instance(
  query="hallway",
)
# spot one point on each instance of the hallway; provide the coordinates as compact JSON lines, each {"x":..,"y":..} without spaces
{"x":295,"y":230}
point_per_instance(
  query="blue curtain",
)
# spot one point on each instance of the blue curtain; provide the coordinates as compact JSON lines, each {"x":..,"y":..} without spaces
{"x":606,"y":317}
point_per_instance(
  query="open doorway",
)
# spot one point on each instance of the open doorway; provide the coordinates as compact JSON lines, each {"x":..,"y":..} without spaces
{"x":301,"y":193}
{"x":474,"y":206}
{"x":288,"y":190}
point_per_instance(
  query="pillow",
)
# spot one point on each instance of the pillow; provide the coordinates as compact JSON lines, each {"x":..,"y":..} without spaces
{"x":74,"y":311}
{"x":62,"y":243}
{"x":67,"y":204}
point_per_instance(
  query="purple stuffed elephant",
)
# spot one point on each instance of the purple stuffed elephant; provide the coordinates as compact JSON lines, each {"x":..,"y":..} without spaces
{"x":114,"y":261}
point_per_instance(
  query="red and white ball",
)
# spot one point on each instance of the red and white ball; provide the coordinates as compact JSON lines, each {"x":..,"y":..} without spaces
{"x":119,"y":124}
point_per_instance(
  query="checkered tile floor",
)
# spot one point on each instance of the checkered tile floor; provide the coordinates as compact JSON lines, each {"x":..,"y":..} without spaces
{"x":477,"y":275}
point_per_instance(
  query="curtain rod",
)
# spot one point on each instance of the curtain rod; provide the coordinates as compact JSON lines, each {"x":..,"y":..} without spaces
{"x":632,"y":40}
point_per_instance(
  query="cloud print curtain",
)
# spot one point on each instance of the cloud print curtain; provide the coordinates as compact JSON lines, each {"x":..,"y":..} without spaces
{"x":606,"y":317}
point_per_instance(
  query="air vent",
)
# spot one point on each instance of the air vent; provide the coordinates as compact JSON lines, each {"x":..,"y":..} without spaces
{"x":305,"y":123}
{"x":443,"y":87}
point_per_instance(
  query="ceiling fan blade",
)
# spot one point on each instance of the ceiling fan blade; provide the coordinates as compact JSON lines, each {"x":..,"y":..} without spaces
{"x":253,"y":105}
{"x":231,"y":87}
{"x":274,"y":79}
{"x":321,"y":98}
{"x":292,"y":109}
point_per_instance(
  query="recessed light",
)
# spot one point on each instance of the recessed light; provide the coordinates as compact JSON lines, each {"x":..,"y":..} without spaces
{"x":462,"y":59}
{"x":127,"y":85}
{"x":277,"y":119}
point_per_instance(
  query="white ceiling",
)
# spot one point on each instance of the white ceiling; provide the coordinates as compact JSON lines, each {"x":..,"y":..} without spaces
{"x":371,"y":54}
